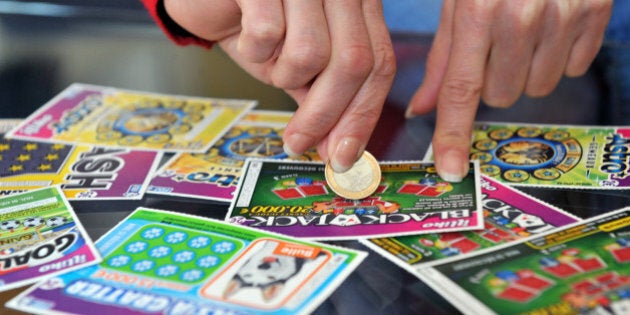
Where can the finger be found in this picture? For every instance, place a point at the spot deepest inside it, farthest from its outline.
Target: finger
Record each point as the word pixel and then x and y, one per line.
pixel 587 45
pixel 263 29
pixel 349 136
pixel 461 90
pixel 425 98
pixel 211 20
pixel 552 51
pixel 306 48
pixel 513 41
pixel 334 88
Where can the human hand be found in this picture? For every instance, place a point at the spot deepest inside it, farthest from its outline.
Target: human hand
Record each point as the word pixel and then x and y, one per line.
pixel 496 51
pixel 335 58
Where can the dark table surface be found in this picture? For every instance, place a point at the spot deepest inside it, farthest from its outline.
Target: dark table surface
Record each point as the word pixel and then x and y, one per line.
pixel 30 75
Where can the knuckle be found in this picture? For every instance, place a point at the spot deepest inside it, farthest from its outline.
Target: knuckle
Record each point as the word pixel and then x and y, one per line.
pixel 299 66
pixel 524 16
pixel 308 57
pixel 384 62
pixel 460 92
pixel 319 124
pixel 452 136
pixel 260 32
pixel 357 61
pixel 521 15
pixel 366 116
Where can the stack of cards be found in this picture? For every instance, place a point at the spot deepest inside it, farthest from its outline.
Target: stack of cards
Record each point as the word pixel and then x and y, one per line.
pixel 102 143
pixel 40 236
pixel 105 143
pixel 481 243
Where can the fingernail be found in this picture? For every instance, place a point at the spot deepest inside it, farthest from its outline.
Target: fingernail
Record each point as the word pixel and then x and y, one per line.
pixel 452 167
pixel 288 151
pixel 293 144
pixel 346 154
pixel 409 113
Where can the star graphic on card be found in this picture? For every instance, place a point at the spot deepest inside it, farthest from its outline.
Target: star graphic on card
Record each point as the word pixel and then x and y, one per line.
pixel 51 157
pixel 56 147
pixel 23 157
pixel 44 167
pixel 30 147
pixel 16 168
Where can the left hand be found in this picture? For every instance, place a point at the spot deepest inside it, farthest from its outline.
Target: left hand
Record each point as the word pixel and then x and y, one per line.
pixel 496 50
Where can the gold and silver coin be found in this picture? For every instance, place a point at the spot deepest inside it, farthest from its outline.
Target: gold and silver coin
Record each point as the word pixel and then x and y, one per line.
pixel 359 182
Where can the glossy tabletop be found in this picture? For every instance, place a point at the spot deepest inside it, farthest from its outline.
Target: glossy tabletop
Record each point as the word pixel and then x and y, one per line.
pixel 377 286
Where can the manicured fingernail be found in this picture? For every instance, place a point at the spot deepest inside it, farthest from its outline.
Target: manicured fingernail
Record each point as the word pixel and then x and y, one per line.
pixel 452 167
pixel 409 113
pixel 288 151
pixel 293 144
pixel 347 152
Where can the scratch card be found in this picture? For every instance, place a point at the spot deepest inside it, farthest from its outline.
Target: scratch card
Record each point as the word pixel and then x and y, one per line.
pixel 82 171
pixel 292 198
pixel 40 236
pixel 215 174
pixel 113 117
pixel 508 214
pixel 595 157
pixel 158 262
pixel 581 268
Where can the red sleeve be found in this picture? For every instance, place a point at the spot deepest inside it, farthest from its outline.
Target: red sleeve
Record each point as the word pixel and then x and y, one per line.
pixel 175 32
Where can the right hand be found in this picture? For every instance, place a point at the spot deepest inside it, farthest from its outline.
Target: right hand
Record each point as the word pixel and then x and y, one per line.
pixel 335 58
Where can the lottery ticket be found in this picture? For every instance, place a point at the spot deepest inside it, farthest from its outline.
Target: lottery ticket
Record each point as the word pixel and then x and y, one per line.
pixel 563 156
pixel 581 268
pixel 112 117
pixel 214 174
pixel 158 262
pixel 40 236
pixel 293 198
pixel 508 214
pixel 82 171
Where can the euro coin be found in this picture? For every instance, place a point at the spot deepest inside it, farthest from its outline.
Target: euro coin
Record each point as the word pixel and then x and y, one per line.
pixel 359 182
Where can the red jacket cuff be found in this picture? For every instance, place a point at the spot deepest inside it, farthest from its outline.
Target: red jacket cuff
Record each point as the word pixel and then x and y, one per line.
pixel 175 32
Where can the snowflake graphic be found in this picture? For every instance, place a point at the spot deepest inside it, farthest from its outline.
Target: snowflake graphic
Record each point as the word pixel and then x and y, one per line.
pixel 119 261
pixel 184 256
pixel 159 251
pixel 223 247
pixel 152 233
pixel 199 242
pixel 167 270
pixel 176 237
pixel 192 275
pixel 208 261
pixel 142 265
pixel 136 247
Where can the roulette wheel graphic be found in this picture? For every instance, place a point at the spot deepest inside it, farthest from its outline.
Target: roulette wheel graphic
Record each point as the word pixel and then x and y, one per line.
pixel 529 152
pixel 148 122
pixel 261 142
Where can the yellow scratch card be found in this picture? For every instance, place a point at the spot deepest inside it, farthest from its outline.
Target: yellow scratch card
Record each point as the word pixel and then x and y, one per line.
pixel 107 116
